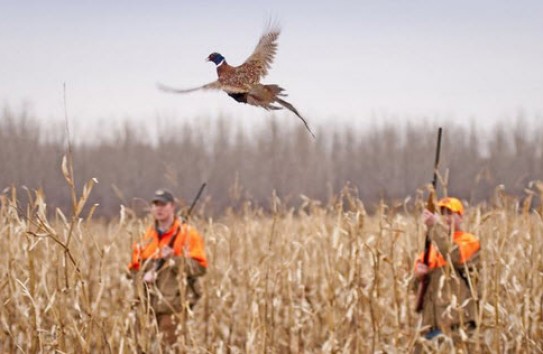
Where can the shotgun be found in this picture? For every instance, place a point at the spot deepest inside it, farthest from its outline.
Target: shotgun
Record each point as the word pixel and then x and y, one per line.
pixel 423 285
pixel 185 218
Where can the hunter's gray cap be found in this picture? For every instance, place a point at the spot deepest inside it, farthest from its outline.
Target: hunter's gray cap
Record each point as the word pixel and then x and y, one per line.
pixel 163 196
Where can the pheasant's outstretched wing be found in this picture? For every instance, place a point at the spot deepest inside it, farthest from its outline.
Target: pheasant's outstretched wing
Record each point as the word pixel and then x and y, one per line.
pixel 215 85
pixel 259 62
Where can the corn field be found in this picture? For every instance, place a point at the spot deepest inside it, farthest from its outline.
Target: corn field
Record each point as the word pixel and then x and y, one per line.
pixel 313 279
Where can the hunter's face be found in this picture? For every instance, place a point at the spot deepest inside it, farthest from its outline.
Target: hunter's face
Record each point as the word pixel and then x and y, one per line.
pixel 451 218
pixel 162 211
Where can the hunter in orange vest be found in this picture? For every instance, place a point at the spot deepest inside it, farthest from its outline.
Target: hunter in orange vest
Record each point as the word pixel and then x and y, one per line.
pixel 169 246
pixel 186 242
pixel 457 280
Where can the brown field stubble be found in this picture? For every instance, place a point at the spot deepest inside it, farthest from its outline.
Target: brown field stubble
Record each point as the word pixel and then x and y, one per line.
pixel 318 279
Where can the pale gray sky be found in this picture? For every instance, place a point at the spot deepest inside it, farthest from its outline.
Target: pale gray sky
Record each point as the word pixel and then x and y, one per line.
pixel 338 60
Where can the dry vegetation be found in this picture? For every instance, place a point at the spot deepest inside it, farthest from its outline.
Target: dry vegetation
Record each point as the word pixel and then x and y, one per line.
pixel 389 161
pixel 315 279
pixel 320 275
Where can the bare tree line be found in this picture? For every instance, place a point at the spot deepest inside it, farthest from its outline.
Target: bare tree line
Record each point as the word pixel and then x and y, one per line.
pixel 388 161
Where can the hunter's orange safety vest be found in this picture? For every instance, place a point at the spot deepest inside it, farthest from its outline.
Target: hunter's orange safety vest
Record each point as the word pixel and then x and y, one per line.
pixel 188 243
pixel 467 244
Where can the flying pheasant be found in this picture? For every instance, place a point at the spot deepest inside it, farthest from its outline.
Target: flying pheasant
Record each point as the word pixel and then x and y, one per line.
pixel 242 82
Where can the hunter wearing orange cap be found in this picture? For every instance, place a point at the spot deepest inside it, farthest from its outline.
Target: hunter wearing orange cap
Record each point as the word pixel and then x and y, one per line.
pixel 166 245
pixel 447 282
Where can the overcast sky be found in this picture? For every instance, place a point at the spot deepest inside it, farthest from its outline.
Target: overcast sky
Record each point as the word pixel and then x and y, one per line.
pixel 339 61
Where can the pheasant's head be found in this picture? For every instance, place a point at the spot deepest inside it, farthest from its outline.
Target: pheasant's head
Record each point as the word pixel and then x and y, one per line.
pixel 216 58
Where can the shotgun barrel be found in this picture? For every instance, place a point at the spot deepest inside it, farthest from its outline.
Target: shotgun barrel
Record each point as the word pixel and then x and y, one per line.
pixel 423 285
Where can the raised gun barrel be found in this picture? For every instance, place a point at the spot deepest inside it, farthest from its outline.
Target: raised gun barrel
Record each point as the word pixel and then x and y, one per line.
pixel 423 285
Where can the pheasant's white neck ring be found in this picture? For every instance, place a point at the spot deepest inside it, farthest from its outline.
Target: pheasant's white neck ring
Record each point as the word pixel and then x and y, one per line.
pixel 221 63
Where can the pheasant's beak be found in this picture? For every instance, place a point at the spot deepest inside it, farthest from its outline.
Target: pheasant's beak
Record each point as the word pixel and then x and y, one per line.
pixel 207 59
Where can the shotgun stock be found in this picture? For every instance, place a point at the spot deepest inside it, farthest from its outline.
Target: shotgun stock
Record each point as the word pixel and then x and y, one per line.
pixel 423 285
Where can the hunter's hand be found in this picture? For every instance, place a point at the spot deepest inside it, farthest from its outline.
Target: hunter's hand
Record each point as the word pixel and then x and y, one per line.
pixel 429 218
pixel 166 252
pixel 149 276
pixel 421 270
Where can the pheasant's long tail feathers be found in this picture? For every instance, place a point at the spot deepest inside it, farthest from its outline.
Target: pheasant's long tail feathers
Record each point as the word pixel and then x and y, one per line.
pixel 295 111
pixel 274 90
pixel 266 95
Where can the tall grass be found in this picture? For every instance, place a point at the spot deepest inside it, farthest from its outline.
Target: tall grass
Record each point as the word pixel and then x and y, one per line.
pixel 317 278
